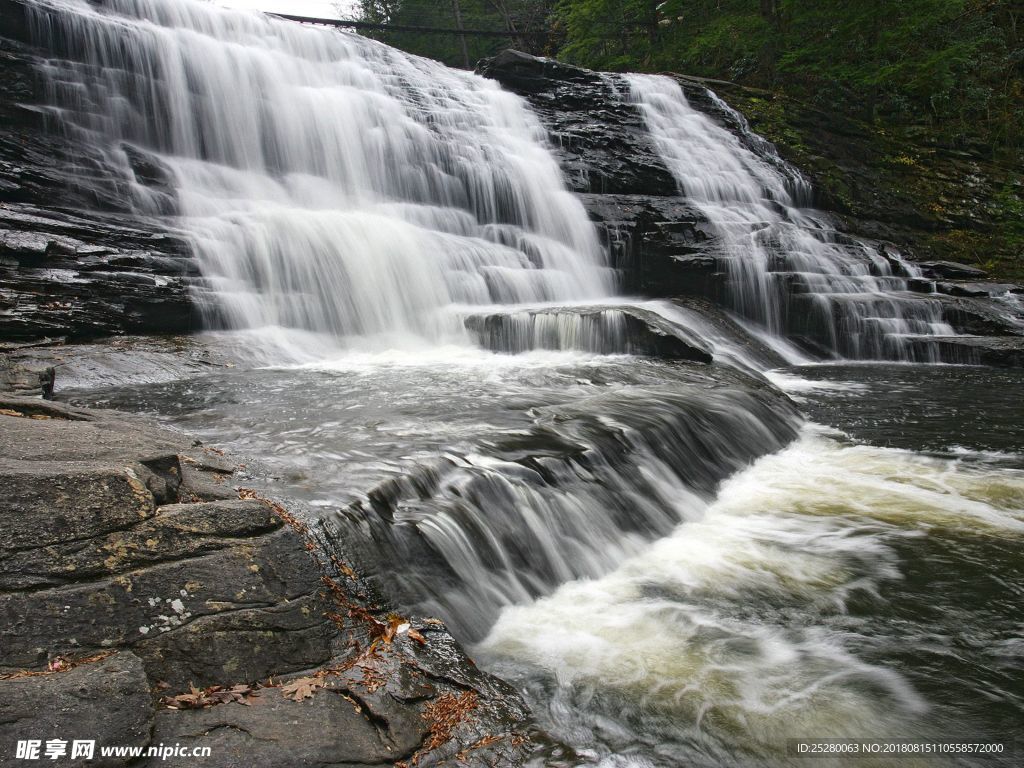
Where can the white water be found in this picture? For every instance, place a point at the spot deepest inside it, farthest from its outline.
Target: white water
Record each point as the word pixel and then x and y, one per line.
pixel 337 190
pixel 748 625
pixel 327 182
pixel 789 270
pixel 350 202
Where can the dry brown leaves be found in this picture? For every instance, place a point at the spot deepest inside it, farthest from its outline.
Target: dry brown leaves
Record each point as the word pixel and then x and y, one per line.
pixel 302 688
pixel 445 713
pixel 287 517
pixel 20 415
pixel 212 696
pixel 57 664
pixel 416 635
pixel 377 628
pixel 345 568
pixel 486 741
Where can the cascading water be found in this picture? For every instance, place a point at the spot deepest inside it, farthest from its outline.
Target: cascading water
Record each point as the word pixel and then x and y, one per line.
pixel 334 186
pixel 391 206
pixel 789 270
pixel 328 183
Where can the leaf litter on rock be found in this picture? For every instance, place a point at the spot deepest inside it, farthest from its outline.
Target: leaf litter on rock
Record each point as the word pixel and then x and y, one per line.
pixel 212 696
pixel 303 688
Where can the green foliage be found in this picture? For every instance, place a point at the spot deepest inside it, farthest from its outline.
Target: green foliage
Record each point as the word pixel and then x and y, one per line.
pixel 956 66
pixel 953 66
pixel 517 19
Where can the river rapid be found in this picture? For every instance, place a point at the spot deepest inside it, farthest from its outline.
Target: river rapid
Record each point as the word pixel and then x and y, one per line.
pixel 682 536
pixel 864 580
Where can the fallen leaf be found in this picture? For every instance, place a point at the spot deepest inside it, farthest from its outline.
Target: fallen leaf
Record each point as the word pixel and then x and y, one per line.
pixel 354 703
pixel 416 635
pixel 300 689
pixel 212 696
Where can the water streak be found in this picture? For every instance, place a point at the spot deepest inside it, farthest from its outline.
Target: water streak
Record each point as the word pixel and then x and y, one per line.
pixel 328 183
pixel 789 270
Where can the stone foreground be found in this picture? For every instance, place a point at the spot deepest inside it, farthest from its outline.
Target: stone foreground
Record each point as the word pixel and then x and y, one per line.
pixel 132 571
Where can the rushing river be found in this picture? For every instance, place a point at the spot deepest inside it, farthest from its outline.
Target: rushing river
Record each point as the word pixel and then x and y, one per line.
pixel 837 588
pixel 684 547
pixel 864 581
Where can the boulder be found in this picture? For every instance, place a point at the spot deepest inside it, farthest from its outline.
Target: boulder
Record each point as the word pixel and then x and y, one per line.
pixel 599 137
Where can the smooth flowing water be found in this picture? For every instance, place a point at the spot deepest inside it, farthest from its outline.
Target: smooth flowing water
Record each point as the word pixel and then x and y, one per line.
pixel 790 270
pixel 568 514
pixel 673 565
pixel 327 183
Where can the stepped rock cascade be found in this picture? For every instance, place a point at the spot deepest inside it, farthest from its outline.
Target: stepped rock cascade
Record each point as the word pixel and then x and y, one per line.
pixel 401 233
pixel 415 345
pixel 788 269
pixel 590 482
pixel 327 183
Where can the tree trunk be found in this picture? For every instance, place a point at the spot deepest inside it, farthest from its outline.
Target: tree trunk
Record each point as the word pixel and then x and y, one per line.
pixel 457 10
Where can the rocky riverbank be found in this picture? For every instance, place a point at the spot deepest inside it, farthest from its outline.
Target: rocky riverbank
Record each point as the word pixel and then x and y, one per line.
pixel 149 600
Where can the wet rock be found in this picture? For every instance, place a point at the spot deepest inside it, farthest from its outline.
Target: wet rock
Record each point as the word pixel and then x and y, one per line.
pixel 74 260
pixel 976 289
pixel 981 316
pixel 601 330
pixel 106 701
pixel 288 733
pixel 661 246
pixel 1000 352
pixel 600 138
pixel 392 705
pixel 31 380
pixel 951 270
pixel 119 361
pixel 56 284
pixel 121 537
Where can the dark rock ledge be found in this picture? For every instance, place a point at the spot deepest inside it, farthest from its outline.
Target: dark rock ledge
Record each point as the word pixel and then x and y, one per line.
pixel 131 569
pixel 75 262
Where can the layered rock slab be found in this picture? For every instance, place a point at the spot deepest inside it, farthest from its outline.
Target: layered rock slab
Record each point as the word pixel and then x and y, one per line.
pixel 132 572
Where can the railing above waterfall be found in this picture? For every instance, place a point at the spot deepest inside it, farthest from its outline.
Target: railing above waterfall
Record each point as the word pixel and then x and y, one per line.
pixel 375 27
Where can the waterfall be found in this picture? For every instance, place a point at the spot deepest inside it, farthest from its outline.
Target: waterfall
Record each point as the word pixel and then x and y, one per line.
pixel 327 183
pixel 788 269
pixel 570 493
pixel 650 545
pixel 331 185
pixel 338 193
